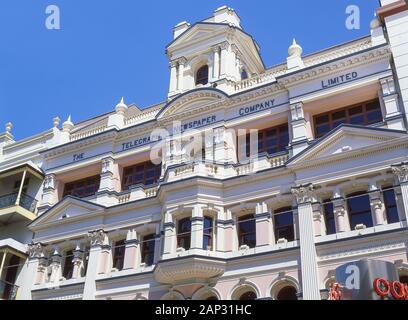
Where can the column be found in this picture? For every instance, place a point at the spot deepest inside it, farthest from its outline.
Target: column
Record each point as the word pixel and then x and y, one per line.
pixel 98 239
pixel 180 80
pixel 78 262
pixel 340 212
pixel 393 116
pixel 20 190
pixel 310 275
pixel 263 225
pixel 56 269
pixel 224 145
pixel 297 127
pixel 50 195
pixel 197 227
pixel 401 172
pixel 216 68
pixel 107 175
pixel 132 251
pixel 157 244
pixel 224 59
pixel 318 219
pixel 35 269
pixel 377 207
pixel 170 237
pixel 173 77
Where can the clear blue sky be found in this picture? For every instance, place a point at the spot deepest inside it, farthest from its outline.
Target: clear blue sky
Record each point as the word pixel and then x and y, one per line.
pixel 107 49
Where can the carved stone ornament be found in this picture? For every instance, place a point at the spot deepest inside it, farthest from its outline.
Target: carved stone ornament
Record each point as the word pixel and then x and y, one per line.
pixel 36 250
pixel 97 237
pixel 401 171
pixel 303 194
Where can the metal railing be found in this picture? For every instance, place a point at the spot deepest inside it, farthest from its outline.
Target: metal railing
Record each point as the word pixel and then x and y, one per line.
pixel 26 202
pixel 8 291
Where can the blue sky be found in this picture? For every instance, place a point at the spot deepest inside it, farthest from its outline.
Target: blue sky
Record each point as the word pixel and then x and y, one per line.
pixel 107 49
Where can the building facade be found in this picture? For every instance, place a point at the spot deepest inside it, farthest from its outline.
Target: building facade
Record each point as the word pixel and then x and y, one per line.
pixel 247 183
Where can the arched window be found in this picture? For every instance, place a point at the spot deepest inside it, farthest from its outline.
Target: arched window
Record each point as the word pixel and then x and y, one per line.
pixel 208 233
pixel 249 295
pixel 359 210
pixel 202 75
pixel 184 233
pixel 287 293
pixel 391 205
pixel 247 231
pixel 283 222
pixel 244 74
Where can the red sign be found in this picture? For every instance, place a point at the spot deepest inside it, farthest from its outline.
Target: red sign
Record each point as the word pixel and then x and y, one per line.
pixel 395 289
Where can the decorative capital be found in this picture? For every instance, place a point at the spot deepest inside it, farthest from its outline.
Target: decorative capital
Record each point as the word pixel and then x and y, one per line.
pixel 401 171
pixel 304 194
pixel 49 181
pixel 97 238
pixel 107 164
pixel 36 250
pixel 296 111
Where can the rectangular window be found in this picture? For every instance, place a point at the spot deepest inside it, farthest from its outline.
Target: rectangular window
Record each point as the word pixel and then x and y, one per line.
pixel 144 174
pixel 119 254
pixel 329 217
pixel 247 231
pixel 366 113
pixel 68 265
pixel 82 188
pixel 391 205
pixel 271 140
pixel 184 234
pixel 359 210
pixel 283 221
pixel 148 244
pixel 208 234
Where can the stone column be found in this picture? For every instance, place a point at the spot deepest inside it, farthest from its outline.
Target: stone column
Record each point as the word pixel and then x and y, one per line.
pixel 393 116
pixel 98 239
pixel 377 207
pixel 170 236
pixel 35 269
pixel 318 219
pixel 224 147
pixel 197 226
pixel 340 213
pixel 216 68
pixel 78 262
pixel 310 275
pixel 180 80
pixel 157 244
pixel 401 171
pixel 297 127
pixel 263 225
pixel 50 194
pixel 224 59
pixel 132 251
pixel 173 77
pixel 107 175
pixel 56 270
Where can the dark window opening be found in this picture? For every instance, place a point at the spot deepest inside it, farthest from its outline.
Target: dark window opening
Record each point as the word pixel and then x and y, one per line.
pixel 68 265
pixel 202 75
pixel 328 210
pixel 145 174
pixel 287 293
pixel 359 210
pixel 184 234
pixel 208 234
pixel 250 295
pixel 363 114
pixel 244 74
pixel 391 206
pixel 148 249
pixel 247 231
pixel 119 254
pixel 283 221
pixel 270 141
pixel 82 188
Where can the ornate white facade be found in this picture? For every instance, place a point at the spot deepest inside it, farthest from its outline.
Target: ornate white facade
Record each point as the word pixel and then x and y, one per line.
pixel 108 225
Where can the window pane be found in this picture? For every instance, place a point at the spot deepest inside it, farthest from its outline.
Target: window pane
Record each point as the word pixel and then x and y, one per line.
pixel 356 110
pixel 360 211
pixel 322 119
pixel 357 119
pixel 391 206
pixel 339 115
pixel 329 218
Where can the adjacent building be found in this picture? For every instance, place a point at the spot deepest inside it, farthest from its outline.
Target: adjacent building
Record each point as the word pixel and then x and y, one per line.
pixel 268 178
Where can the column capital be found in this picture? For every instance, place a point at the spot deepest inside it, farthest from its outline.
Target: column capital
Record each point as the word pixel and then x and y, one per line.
pixel 97 237
pixel 401 171
pixel 296 110
pixel 36 250
pixel 304 194
pixel 107 164
pixel 49 181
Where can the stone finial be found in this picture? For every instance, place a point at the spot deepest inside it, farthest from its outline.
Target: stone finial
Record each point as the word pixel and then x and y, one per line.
pixel 121 107
pixel 9 126
pixel 67 126
pixel 56 121
pixel 295 50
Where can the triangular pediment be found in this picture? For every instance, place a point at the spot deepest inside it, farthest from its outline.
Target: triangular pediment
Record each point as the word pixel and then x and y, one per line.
pixel 344 141
pixel 68 209
pixel 192 101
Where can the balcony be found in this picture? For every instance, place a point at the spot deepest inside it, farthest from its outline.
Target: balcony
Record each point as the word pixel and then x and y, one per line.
pixel 8 291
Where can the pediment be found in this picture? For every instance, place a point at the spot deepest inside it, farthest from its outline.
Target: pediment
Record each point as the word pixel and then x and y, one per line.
pixel 69 208
pixel 345 140
pixel 192 101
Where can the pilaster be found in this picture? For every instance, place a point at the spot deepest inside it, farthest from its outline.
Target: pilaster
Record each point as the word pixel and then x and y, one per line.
pixel 401 172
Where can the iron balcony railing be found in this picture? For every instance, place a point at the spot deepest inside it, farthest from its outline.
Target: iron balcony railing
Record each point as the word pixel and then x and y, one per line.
pixel 8 291
pixel 26 202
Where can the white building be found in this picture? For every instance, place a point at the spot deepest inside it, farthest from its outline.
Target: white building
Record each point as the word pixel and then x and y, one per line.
pixel 328 183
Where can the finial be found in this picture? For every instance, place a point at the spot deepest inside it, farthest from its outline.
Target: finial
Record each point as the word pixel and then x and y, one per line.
pixel 56 121
pixel 121 107
pixel 295 49
pixel 67 126
pixel 9 126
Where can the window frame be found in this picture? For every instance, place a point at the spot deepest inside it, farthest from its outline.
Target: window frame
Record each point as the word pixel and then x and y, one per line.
pixel 186 236
pixel 353 196
pixel 147 165
pixel 203 79
pixel 92 181
pixel 389 206
pixel 247 219
pixel 326 203
pixel 209 234
pixel 347 117
pixel 147 241
pixel 276 227
pixel 118 256
pixel 68 267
